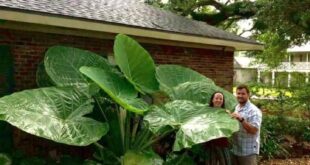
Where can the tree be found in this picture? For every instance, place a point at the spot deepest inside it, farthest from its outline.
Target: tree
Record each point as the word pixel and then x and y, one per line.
pixel 287 18
pixel 210 11
pixel 276 23
pixel 280 24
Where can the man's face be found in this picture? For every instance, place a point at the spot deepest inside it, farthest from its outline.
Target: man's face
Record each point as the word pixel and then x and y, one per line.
pixel 242 96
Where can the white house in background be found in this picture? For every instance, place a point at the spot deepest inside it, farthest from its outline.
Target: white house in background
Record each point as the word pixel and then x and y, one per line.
pixel 295 68
pixel 245 70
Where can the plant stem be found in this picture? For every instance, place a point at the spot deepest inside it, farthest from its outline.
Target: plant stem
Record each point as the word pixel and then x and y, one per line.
pixel 127 127
pixel 121 118
pixel 103 149
pixel 135 128
pixel 146 140
pixel 138 140
pixel 145 137
pixel 101 110
pixel 99 146
pixel 156 139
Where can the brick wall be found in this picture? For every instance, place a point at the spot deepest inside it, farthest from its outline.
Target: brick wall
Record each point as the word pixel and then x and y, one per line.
pixel 217 65
pixel 28 50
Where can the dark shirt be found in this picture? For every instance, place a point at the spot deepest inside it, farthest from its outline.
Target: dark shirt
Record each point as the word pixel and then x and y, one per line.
pixel 220 142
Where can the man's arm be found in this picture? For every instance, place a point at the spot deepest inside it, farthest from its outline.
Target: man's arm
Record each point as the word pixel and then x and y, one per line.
pixel 246 125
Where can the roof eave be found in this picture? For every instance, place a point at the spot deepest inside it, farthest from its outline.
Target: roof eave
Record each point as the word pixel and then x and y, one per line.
pixel 69 22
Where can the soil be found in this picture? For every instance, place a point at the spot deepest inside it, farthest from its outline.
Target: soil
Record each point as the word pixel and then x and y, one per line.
pixel 292 161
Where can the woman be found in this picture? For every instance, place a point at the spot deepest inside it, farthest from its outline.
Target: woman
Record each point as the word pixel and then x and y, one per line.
pixel 218 149
pixel 217 100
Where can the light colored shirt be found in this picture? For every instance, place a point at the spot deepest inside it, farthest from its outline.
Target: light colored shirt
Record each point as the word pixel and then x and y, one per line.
pixel 244 143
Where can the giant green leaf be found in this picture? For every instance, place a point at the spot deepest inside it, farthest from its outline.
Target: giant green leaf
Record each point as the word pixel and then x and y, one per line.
pixel 195 123
pixel 53 113
pixel 117 87
pixel 136 63
pixel 201 92
pixel 170 76
pixel 62 64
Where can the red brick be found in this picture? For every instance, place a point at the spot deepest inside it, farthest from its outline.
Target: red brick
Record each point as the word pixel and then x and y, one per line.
pixel 28 49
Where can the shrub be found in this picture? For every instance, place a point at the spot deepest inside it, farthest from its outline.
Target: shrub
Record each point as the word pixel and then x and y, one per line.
pixel 273 132
pixel 271 139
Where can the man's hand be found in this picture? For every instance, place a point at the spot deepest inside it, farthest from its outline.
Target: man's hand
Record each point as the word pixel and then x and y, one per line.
pixel 247 126
pixel 236 115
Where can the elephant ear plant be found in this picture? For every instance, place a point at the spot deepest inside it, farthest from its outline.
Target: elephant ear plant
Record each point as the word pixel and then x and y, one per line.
pixel 58 112
pixel 76 85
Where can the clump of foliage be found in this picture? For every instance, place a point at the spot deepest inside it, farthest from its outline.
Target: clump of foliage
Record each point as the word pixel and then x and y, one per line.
pixel 285 122
pixel 84 100
pixel 271 138
pixel 302 96
pixel 274 131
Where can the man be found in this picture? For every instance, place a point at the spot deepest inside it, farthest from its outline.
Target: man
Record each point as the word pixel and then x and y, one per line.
pixel 246 140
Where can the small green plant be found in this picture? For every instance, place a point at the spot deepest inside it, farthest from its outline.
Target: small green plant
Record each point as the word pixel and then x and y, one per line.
pixel 271 145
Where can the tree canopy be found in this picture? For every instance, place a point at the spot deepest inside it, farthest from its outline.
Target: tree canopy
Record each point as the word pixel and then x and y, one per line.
pixel 276 23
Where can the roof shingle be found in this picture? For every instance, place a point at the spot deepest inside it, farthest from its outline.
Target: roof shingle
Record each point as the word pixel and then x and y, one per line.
pixel 123 12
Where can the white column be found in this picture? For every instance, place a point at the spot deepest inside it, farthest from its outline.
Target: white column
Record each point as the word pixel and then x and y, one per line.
pixel 289 79
pixel 307 70
pixel 272 77
pixel 289 61
pixel 289 71
pixel 258 76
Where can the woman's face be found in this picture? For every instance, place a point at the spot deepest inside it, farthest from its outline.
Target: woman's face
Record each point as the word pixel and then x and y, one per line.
pixel 218 100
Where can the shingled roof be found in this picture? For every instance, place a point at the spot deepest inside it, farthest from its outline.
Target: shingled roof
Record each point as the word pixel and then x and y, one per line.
pixel 124 13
